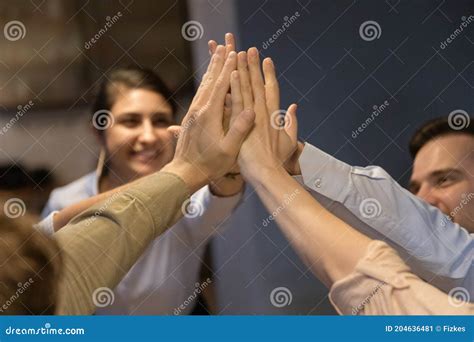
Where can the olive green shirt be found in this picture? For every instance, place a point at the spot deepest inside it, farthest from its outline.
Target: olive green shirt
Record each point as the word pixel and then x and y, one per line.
pixel 101 244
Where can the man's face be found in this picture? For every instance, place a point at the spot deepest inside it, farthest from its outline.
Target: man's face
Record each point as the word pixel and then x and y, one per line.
pixel 443 175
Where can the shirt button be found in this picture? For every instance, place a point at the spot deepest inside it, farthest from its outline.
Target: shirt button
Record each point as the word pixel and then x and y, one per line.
pixel 317 182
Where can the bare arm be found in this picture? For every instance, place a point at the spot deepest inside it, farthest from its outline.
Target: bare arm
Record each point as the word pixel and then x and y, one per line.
pixel 328 245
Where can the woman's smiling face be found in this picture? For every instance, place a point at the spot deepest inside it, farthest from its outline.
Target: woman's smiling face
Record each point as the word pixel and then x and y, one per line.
pixel 138 142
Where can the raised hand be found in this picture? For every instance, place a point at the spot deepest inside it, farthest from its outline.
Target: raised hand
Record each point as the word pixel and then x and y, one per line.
pixel 204 150
pixel 274 138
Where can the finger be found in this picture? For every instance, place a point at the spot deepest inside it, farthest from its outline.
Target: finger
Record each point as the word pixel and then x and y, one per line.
pixel 291 123
pixel 238 131
pixel 204 81
pixel 221 85
pixel 256 79
pixel 272 90
pixel 227 112
pixel 236 94
pixel 244 79
pixel 212 45
pixel 229 43
pixel 207 85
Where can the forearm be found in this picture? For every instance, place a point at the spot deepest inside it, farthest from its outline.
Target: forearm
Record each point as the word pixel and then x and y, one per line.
pixel 102 243
pixel 328 245
pixel 61 218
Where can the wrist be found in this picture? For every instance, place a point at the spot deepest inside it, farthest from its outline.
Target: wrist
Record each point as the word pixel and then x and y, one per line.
pixel 226 186
pixel 264 174
pixel 293 164
pixel 193 176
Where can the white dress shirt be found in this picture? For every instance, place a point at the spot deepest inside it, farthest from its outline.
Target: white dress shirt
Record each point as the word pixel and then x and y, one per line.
pixel 165 280
pixel 438 250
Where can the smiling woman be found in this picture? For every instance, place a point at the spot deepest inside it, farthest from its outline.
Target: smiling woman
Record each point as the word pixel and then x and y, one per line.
pixel 132 112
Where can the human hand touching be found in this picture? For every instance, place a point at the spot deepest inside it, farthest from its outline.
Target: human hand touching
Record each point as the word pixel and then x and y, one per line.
pixel 232 182
pixel 270 144
pixel 204 151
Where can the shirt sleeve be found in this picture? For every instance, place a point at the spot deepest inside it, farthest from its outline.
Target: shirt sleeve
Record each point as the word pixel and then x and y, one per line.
pixel 46 225
pixel 101 244
pixel 382 284
pixel 205 212
pixel 436 248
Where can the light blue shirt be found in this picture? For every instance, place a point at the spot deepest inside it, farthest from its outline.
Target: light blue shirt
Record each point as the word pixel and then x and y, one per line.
pixel 438 250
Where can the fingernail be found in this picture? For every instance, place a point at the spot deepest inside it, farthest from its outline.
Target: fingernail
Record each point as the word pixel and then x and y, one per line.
pixel 253 52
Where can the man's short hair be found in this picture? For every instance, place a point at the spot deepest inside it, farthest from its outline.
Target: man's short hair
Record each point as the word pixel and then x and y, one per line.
pixel 434 129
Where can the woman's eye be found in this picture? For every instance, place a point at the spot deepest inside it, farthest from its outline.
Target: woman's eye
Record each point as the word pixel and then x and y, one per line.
pixel 130 122
pixel 161 123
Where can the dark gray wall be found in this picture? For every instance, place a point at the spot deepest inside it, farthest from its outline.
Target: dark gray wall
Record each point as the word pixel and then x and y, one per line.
pixel 336 77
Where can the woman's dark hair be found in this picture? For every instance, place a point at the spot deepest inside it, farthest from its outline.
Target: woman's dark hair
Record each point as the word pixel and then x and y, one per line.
pixel 436 128
pixel 131 77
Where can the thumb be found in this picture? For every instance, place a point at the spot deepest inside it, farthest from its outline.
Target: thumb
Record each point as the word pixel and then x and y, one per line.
pixel 238 131
pixel 291 122
pixel 175 131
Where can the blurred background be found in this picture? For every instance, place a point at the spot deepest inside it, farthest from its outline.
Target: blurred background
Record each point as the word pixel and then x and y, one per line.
pixel 365 75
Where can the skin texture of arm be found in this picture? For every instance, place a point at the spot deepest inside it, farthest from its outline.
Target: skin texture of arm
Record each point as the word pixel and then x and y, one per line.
pixel 329 246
